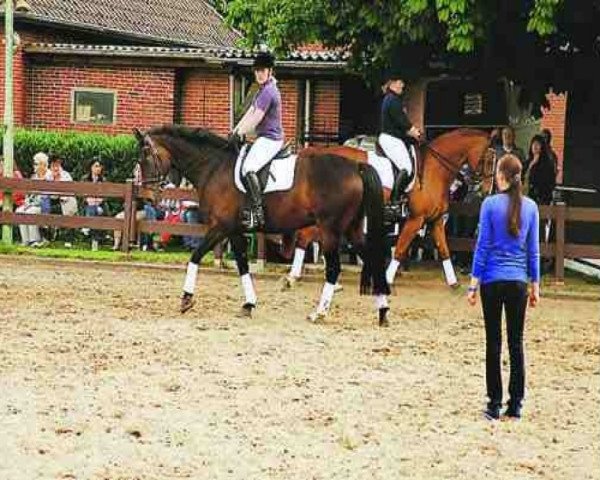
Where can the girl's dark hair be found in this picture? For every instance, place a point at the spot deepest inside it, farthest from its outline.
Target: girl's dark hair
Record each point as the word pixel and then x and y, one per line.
pixel 510 167
pixel 544 156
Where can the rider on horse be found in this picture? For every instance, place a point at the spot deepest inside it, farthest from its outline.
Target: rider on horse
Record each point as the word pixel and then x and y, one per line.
pixel 264 118
pixel 398 134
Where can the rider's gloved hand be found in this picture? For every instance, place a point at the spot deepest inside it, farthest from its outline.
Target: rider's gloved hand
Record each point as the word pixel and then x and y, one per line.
pixel 233 139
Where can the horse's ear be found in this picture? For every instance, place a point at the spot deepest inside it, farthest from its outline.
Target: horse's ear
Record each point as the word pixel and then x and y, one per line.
pixel 138 135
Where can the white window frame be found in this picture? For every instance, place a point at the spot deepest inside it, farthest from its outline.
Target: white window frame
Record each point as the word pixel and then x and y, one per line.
pixel 76 90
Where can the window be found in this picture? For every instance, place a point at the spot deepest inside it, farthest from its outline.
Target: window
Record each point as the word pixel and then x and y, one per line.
pixel 243 94
pixel 473 104
pixel 94 106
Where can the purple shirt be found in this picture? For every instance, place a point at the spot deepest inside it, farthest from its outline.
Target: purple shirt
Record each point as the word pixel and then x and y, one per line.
pixel 268 99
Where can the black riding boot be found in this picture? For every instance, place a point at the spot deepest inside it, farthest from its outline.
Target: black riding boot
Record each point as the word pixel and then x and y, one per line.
pixel 400 185
pixel 393 210
pixel 255 218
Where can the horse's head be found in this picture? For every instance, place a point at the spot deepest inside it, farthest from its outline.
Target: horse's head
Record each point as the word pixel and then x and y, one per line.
pixel 454 148
pixel 155 160
pixel 481 159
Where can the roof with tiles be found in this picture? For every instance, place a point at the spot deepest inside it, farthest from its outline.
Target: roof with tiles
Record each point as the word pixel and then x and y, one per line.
pixel 240 56
pixel 185 22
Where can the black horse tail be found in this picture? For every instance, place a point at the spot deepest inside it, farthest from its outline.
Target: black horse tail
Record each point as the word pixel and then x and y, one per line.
pixel 372 277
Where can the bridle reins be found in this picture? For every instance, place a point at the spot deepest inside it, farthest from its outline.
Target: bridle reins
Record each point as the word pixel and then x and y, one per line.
pixel 452 168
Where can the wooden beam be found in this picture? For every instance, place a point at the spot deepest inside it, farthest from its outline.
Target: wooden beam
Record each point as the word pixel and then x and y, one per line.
pixel 95 223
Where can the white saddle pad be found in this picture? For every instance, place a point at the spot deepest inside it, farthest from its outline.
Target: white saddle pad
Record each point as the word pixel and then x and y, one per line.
pixel 281 174
pixel 384 169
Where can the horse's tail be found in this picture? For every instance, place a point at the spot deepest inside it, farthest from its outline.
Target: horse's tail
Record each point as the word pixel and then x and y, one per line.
pixel 372 278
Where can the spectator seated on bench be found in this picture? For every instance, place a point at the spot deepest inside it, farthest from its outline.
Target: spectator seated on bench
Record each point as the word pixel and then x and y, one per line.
pixel 35 203
pixel 65 205
pixel 94 206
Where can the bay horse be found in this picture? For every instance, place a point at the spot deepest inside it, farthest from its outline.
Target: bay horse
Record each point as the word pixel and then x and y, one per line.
pixel 428 200
pixel 329 190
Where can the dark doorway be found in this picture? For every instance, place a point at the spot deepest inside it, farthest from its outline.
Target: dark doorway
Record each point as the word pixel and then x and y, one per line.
pixel 360 105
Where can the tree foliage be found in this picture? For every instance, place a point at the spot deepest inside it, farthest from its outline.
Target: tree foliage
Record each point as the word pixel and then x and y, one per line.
pixel 531 42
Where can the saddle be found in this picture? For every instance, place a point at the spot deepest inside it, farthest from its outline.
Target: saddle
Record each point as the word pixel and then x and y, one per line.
pixel 265 172
pixel 275 176
pixel 416 162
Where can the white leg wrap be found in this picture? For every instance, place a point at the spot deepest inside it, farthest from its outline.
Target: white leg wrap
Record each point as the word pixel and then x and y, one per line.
pixel 449 272
pixel 190 278
pixel 390 273
pixel 296 270
pixel 326 297
pixel 315 252
pixel 381 301
pixel 248 286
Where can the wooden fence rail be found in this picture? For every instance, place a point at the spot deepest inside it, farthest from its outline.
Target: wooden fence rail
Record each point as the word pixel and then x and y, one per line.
pixel 560 215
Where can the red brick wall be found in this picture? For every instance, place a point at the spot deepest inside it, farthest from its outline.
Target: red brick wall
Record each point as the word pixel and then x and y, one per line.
pixel 326 106
pixel 19 93
pixel 289 107
pixel 144 96
pixel 205 101
pixel 554 120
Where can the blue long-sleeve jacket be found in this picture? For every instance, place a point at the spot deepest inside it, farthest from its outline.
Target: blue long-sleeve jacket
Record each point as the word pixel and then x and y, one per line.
pixel 500 256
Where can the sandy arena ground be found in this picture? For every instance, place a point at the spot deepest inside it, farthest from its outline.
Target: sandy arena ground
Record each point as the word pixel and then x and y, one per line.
pixel 101 378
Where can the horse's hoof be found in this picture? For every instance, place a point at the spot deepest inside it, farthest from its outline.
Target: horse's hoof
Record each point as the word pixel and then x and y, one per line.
pixel 246 311
pixel 187 302
pixel 289 282
pixel 455 286
pixel 383 320
pixel 316 317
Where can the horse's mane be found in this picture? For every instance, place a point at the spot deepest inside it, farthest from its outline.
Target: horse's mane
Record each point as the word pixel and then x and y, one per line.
pixel 197 136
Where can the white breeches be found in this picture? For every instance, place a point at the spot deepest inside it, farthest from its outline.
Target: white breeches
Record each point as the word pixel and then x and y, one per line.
pixel 395 149
pixel 263 150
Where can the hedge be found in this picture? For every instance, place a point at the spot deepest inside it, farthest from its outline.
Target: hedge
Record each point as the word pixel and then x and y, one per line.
pixel 118 153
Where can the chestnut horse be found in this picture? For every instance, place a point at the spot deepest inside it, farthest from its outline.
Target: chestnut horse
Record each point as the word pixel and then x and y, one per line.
pixel 207 161
pixel 428 200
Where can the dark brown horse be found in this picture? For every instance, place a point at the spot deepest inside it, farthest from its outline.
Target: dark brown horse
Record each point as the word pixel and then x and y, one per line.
pixel 429 198
pixel 329 191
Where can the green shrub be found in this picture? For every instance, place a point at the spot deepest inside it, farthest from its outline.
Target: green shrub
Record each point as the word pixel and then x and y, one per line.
pixel 118 153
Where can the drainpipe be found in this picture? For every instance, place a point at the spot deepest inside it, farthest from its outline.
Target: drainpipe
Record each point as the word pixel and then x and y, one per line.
pixel 8 147
pixel 306 111
pixel 231 100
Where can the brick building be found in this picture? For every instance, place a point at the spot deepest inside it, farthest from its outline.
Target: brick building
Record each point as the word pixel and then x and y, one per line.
pixel 110 65
pixel 113 65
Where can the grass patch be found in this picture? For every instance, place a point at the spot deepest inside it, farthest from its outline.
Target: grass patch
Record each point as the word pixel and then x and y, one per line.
pixel 83 252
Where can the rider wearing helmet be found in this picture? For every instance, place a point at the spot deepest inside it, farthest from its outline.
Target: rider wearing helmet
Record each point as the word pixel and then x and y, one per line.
pixel 264 118
pixel 397 132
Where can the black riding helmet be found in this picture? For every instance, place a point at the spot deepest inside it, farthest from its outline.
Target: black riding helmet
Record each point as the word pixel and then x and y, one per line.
pixel 263 60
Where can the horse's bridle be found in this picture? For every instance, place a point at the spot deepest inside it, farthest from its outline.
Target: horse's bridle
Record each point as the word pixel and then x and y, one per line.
pixel 448 165
pixel 159 178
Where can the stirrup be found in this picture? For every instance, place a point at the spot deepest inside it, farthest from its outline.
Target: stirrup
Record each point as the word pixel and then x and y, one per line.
pixel 253 218
pixel 394 212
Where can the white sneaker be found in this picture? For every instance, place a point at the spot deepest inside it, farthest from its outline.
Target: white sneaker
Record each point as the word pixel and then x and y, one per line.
pixel 68 245
pixel 94 245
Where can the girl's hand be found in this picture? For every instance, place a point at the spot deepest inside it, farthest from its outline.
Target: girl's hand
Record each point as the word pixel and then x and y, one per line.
pixel 472 297
pixel 534 295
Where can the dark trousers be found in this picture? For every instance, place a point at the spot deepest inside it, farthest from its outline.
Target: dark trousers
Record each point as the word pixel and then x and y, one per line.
pixel 512 296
